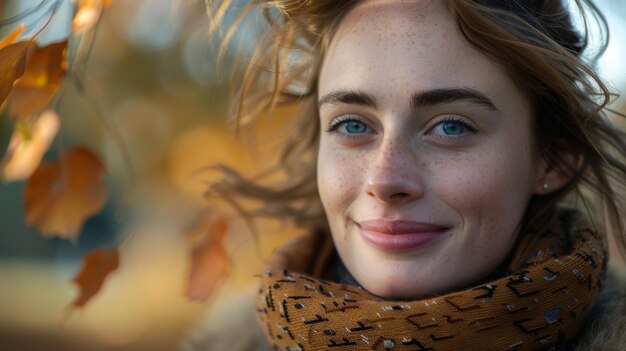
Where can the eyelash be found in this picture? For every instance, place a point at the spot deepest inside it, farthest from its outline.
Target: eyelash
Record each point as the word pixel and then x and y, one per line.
pixel 337 122
pixel 456 119
pixel 452 139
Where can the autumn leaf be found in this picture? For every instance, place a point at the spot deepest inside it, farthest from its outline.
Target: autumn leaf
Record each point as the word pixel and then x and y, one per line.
pixel 43 73
pixel 97 266
pixel 61 195
pixel 210 262
pixel 87 14
pixel 12 37
pixel 12 62
pixel 28 144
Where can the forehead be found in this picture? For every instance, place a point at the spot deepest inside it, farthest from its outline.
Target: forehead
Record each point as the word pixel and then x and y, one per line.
pixel 407 46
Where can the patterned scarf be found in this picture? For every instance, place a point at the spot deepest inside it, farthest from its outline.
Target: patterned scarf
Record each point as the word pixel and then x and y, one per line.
pixel 542 301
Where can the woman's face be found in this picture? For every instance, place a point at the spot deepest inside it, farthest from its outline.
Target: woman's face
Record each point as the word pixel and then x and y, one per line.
pixel 426 161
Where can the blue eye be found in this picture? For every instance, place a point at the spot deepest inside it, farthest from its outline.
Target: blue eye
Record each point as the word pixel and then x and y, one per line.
pixel 354 127
pixel 451 128
pixel 349 125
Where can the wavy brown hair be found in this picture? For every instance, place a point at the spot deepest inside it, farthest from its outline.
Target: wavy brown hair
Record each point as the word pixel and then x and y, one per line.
pixel 534 40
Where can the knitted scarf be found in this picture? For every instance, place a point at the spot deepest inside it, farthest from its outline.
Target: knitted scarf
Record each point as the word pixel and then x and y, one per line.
pixel 541 301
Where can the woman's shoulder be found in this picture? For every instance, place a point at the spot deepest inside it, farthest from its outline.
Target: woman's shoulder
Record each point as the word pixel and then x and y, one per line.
pixel 605 329
pixel 230 325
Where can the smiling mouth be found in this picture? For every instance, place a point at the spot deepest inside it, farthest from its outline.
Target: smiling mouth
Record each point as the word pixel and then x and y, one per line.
pixel 399 235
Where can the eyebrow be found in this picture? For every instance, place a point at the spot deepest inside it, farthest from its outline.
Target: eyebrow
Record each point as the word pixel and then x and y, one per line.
pixel 419 99
pixel 438 96
pixel 352 97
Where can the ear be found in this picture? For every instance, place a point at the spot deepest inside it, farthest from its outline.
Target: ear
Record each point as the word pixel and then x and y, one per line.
pixel 557 166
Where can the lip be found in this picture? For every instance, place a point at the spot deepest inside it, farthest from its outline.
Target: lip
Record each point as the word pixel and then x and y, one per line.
pixel 399 235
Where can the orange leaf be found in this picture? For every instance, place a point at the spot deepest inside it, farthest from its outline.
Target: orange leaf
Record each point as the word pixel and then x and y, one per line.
pixel 28 145
pixel 12 59
pixel 209 260
pixel 97 265
pixel 60 196
pixel 45 68
pixel 12 37
pixel 87 14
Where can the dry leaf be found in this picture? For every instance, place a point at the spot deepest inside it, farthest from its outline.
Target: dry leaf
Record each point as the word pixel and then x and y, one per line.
pixel 12 62
pixel 12 37
pixel 61 195
pixel 44 71
pixel 97 265
pixel 209 260
pixel 87 14
pixel 28 144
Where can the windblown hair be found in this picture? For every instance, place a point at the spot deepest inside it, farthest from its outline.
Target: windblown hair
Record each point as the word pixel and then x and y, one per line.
pixel 534 40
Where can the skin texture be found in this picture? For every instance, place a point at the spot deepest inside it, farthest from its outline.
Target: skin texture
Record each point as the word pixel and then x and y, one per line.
pixel 394 162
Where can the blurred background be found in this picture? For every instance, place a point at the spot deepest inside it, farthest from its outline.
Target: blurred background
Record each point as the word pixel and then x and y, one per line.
pixel 156 87
pixel 153 81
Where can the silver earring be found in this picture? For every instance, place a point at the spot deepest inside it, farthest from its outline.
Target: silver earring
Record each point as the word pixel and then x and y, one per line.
pixel 545 186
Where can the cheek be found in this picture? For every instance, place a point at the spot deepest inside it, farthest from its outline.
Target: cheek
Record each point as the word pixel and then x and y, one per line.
pixel 489 189
pixel 468 180
pixel 336 178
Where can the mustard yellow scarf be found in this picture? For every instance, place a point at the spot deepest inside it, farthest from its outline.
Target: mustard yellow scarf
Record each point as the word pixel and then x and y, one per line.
pixel 543 301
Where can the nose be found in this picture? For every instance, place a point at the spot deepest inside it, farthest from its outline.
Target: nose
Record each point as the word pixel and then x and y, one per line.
pixel 393 176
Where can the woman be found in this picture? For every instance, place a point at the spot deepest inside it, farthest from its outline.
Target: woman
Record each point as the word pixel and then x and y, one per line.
pixel 442 150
